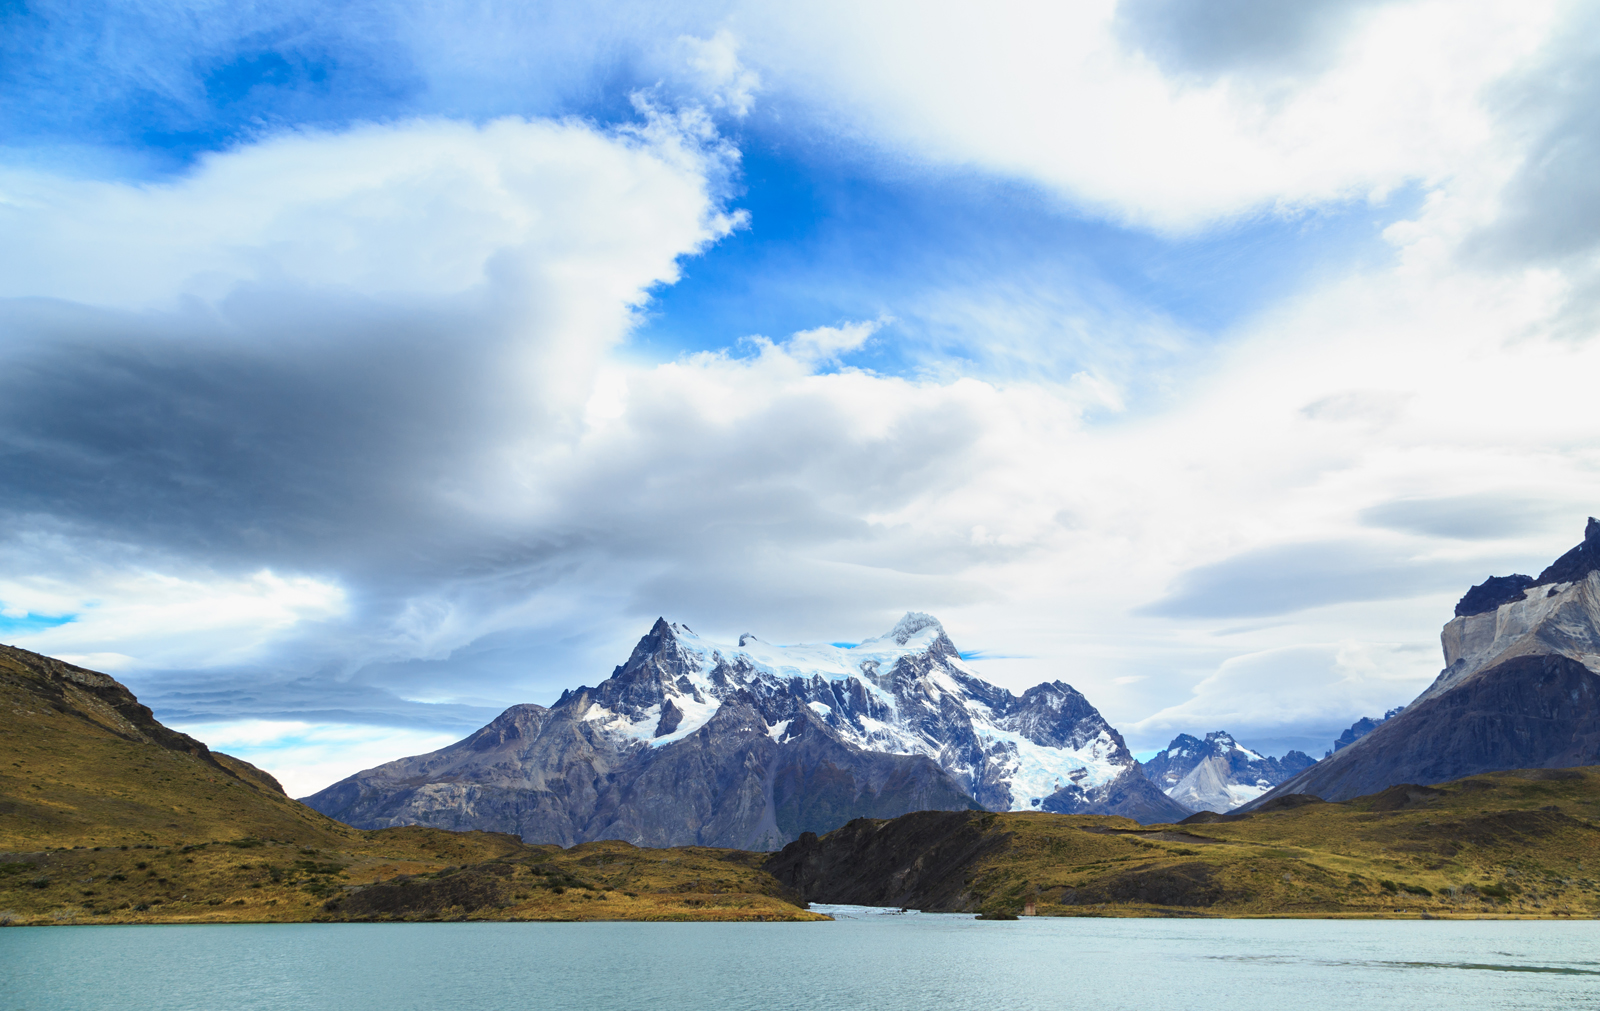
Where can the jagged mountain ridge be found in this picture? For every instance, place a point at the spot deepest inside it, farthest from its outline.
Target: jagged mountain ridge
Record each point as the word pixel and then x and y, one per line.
pixel 697 742
pixel 1361 728
pixel 1519 689
pixel 1218 774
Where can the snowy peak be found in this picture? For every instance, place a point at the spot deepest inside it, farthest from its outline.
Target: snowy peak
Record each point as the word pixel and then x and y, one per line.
pixel 907 692
pixel 1218 774
pixel 915 623
pixel 747 744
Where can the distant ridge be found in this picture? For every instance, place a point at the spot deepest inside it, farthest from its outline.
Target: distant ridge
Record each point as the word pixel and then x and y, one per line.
pixel 1218 773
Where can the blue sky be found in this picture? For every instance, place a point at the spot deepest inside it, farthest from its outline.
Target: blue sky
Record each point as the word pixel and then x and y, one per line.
pixel 370 367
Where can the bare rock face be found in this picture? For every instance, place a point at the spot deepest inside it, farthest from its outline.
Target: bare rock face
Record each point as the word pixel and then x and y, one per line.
pixel 1519 690
pixel 749 745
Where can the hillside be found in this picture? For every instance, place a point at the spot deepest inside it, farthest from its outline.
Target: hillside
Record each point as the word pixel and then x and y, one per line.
pixel 1521 844
pixel 106 816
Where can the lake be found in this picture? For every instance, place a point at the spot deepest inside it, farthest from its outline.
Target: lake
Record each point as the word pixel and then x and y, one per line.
pixel 884 962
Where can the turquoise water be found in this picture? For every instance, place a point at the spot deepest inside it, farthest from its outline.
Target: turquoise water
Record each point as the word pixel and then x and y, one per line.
pixel 888 963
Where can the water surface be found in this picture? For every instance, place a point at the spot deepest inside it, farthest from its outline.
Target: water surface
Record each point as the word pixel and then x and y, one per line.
pixel 887 963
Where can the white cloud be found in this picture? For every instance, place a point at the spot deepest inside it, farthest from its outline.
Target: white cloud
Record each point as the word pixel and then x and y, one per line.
pixel 410 212
pixel 305 757
pixel 1311 685
pixel 222 383
pixel 1054 93
pixel 461 465
pixel 713 69
pixel 128 616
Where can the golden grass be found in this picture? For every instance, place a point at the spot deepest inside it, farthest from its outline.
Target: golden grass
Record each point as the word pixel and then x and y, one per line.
pixel 1504 845
pixel 98 828
pixel 415 874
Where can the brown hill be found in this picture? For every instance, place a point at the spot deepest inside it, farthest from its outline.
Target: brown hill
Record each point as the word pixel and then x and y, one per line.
pixel 108 816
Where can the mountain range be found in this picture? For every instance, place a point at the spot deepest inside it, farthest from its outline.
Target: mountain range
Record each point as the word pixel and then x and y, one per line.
pixel 751 745
pixel 1219 774
pixel 748 745
pixel 1519 689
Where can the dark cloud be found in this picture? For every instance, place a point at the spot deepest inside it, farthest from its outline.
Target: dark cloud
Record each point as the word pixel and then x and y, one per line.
pixel 1550 209
pixel 1213 37
pixel 1467 517
pixel 287 431
pixel 1294 577
pixel 221 694
pixel 378 447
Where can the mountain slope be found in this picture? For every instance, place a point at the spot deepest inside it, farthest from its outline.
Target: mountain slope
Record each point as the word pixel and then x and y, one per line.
pixel 1218 773
pixel 1519 689
pixel 698 742
pixel 83 763
pixel 1518 844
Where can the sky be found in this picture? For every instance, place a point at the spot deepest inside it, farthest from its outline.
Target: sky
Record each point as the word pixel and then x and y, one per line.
pixel 366 368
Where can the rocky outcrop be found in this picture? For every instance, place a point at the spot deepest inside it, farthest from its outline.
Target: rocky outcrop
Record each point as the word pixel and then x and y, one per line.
pixel 749 745
pixel 1519 690
pixel 1362 727
pixel 1491 593
pixel 921 861
pixel 1218 774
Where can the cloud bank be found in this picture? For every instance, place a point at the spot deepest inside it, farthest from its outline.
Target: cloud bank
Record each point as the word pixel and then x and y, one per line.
pixel 338 424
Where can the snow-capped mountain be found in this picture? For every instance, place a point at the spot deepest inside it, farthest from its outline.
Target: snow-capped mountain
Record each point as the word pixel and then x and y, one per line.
pixel 749 744
pixel 1520 689
pixel 1219 774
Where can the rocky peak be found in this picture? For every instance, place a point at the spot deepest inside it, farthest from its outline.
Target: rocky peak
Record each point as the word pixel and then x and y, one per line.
pixel 1362 727
pixel 1491 593
pixel 1577 563
pixel 1218 773
pixel 1497 591
pixel 1057 715
pixel 912 624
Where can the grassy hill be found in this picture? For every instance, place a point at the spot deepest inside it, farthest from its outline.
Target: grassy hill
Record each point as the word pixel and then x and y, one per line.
pixel 1514 844
pixel 106 816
